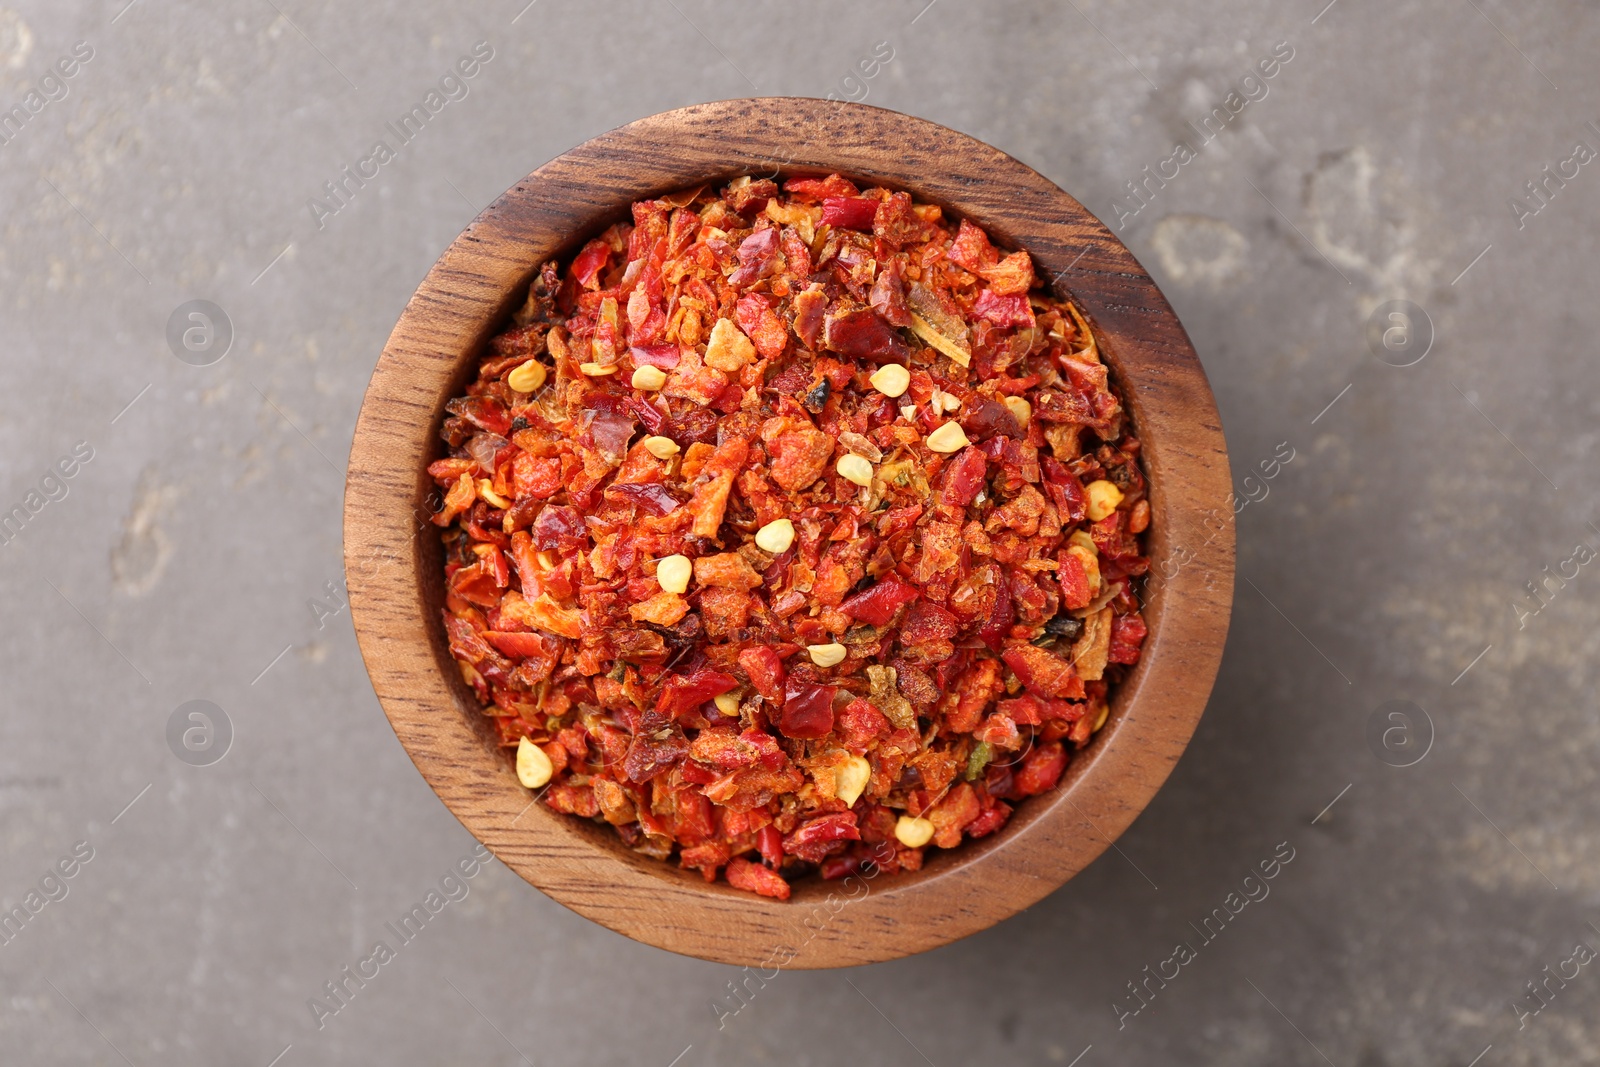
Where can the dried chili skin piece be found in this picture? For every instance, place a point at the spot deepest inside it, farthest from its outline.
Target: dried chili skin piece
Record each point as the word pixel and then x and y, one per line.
pixel 743 874
pixel 769 842
pixel 989 418
pixel 876 606
pixel 523 646
pixel 559 528
pixel 649 498
pixel 486 413
pixel 971 248
pixel 590 261
pixel 812 190
pixel 989 821
pixel 707 858
pixel 765 670
pixel 963 478
pixel 888 295
pixel 683 693
pixel 807 711
pixel 1043 672
pixel 860 724
pixel 1127 635
pixel 925 636
pixel 799 451
pixel 757 257
pixel 662 357
pixel 927 632
pixel 819 836
pixel 850 212
pixel 1041 769
pixel 1003 310
pixel 1001 615
pixel 863 334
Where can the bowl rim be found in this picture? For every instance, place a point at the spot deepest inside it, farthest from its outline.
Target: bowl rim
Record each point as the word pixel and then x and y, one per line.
pixel 394 599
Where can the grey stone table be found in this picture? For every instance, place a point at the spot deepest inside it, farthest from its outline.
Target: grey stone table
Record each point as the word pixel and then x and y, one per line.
pixel 1406 707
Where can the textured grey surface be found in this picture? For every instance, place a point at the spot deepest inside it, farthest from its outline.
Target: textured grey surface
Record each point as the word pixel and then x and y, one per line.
pixel 1388 554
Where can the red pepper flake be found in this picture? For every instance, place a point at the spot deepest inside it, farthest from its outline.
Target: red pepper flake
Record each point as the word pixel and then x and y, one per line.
pixel 807 711
pixel 742 874
pixel 1003 310
pixel 683 693
pixel 877 605
pixel 816 837
pixel 1127 635
pixel 982 616
pixel 663 357
pixel 851 212
pixel 590 261
pixel 765 671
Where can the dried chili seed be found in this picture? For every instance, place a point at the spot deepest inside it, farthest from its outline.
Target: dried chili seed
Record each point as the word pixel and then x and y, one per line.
pixel 725 638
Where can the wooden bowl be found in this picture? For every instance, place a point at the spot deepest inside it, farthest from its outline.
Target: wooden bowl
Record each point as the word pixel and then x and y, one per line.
pixel 393 556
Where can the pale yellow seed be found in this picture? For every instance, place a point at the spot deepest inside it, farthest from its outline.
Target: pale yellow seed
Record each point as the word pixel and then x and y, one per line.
pixel 1101 499
pixel 854 468
pixel 830 655
pixel 776 536
pixel 913 832
pixel 649 378
pixel 673 573
pixel 1101 720
pixel 533 766
pixel 1020 408
pixel 850 779
pixel 909 412
pixel 528 377
pixel 661 447
pixel 891 379
pixel 948 438
pixel 598 370
pixel 727 703
pixel 1082 539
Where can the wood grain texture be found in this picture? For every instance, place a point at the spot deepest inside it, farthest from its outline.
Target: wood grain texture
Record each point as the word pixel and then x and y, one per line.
pixel 392 556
